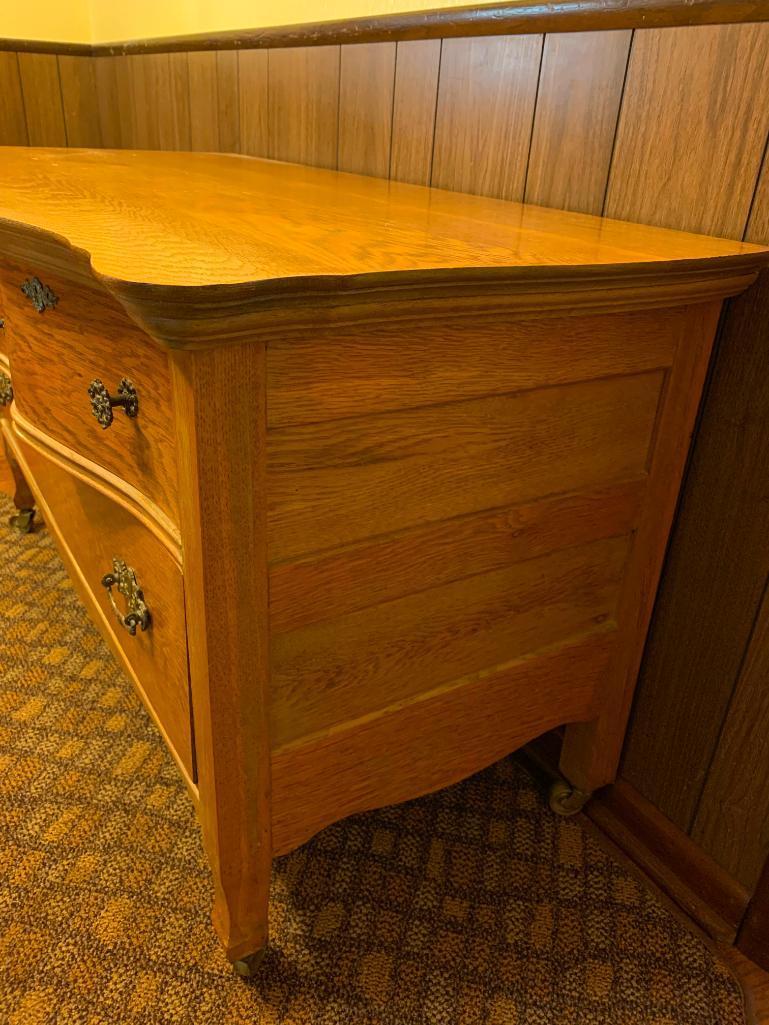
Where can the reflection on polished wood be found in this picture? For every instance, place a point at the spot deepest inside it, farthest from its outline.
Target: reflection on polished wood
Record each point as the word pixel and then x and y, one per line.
pixel 399 483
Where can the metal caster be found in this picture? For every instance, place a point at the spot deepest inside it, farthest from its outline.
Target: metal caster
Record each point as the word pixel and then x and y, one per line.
pixel 566 800
pixel 248 966
pixel 23 520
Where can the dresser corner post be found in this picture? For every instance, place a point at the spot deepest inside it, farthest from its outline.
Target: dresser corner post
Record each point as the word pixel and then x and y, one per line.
pixel 220 413
pixel 592 751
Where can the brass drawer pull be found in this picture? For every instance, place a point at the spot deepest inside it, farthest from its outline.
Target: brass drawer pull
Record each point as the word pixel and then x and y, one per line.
pixel 40 295
pixel 102 403
pixel 123 579
pixel 6 390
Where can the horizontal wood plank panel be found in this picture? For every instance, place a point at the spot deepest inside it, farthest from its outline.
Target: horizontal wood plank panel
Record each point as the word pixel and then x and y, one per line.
pixel 416 95
pixel 332 672
pixel 719 552
pixel 580 89
pixel 379 367
pixel 416 560
pixel 409 751
pixel 160 101
pixel 486 98
pixel 42 99
pixel 80 101
pixel 13 125
pixel 304 105
pixel 253 93
pixel 335 483
pixel 732 821
pixel 691 134
pixel 367 79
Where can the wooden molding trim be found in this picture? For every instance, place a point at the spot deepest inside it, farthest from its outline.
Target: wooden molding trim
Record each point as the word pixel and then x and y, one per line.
pixel 487 20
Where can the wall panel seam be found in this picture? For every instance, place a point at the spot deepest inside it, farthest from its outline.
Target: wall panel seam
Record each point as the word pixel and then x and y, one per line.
pixel 533 118
pixel 617 123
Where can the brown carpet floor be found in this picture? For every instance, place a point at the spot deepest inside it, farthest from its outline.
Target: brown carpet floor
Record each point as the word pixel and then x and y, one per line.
pixel 474 906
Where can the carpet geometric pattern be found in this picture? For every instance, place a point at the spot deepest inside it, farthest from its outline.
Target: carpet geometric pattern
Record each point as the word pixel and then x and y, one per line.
pixel 473 906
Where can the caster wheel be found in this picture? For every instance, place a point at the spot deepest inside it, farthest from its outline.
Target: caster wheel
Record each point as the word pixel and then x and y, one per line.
pixel 566 800
pixel 248 966
pixel 23 520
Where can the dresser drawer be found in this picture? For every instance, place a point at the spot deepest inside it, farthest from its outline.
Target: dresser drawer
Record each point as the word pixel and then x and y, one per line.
pixel 86 336
pixel 93 530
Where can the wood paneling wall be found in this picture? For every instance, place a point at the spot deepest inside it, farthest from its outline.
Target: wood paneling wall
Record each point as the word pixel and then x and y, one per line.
pixel 663 125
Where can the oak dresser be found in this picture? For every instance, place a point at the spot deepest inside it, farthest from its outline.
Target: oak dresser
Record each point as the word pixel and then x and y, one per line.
pixel 366 484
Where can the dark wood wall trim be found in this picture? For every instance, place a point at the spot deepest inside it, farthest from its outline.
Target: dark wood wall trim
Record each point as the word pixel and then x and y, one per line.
pixel 489 20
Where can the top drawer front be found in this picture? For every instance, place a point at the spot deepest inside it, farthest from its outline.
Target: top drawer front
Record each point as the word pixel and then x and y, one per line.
pixel 55 355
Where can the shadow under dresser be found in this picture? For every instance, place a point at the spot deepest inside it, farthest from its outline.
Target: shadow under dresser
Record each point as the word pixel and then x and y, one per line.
pixel 366 484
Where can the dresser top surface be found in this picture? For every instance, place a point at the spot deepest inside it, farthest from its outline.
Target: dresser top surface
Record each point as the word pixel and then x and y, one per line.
pixel 188 219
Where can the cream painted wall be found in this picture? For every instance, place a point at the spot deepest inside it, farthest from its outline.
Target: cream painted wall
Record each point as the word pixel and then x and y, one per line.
pixel 100 21
pixel 65 21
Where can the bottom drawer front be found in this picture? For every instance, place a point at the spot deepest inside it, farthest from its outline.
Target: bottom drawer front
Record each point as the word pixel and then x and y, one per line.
pixel 96 535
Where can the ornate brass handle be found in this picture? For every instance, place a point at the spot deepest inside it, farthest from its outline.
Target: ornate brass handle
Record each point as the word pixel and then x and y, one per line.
pixel 123 579
pixel 40 295
pixel 6 390
pixel 102 403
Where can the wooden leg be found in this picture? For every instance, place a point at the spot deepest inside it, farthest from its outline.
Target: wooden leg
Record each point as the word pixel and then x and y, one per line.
pixel 22 497
pixel 221 444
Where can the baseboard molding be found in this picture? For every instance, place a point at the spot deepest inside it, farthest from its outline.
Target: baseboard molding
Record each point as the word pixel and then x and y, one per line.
pixel 698 885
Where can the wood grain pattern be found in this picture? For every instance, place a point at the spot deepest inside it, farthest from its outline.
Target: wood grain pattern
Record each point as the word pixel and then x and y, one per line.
pixel 411 750
pixel 591 751
pixel 414 103
pixel 380 570
pixel 335 483
pixel 111 128
pixel 580 88
pixel 348 370
pixel 692 163
pixel 732 820
pixel 316 225
pixel 80 101
pixel 41 90
pixel 253 93
pixel 304 105
pixel 93 530
pixel 221 451
pixel 160 101
pixel 13 124
pixel 214 107
pixel 367 79
pixel 486 100
pixel 56 355
pixel 337 671
pixel 720 552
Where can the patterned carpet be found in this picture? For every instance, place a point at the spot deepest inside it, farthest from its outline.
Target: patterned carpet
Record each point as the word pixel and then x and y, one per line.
pixel 471 907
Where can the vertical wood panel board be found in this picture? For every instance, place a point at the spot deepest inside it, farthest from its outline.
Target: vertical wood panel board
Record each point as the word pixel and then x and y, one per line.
pixel 42 99
pixel 13 124
pixel 80 100
pixel 304 104
pixel 253 99
pixel 367 79
pixel 580 89
pixel 691 132
pixel 486 98
pixel 416 95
